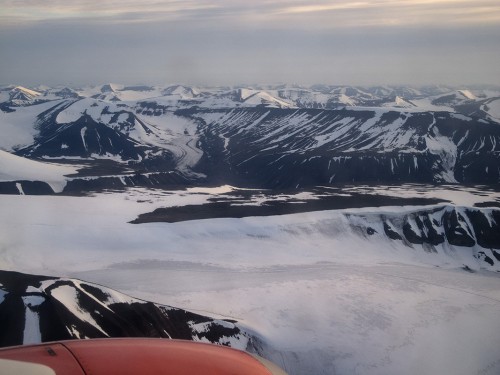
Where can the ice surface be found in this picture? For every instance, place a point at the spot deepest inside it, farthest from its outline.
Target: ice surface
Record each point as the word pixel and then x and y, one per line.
pixel 323 298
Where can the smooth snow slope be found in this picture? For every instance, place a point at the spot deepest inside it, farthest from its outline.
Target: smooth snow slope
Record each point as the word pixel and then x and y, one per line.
pixel 16 168
pixel 324 299
pixel 18 127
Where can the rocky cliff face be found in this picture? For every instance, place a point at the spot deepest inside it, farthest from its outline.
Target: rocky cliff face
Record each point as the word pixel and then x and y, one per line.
pixel 296 148
pixel 441 229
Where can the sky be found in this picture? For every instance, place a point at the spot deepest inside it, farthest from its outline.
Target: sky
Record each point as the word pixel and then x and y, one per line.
pixel 229 42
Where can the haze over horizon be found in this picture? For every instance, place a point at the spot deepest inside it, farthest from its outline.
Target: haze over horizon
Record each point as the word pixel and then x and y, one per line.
pixel 225 42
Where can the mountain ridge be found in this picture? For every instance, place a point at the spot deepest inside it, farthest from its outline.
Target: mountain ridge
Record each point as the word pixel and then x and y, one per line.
pixel 46 308
pixel 273 137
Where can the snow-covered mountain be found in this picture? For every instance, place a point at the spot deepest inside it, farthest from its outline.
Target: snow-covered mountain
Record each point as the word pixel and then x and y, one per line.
pixel 38 309
pixel 183 92
pixel 305 147
pixel 22 96
pixel 349 229
pixel 267 136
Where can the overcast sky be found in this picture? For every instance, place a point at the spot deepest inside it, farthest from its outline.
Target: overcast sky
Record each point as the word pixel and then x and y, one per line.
pixel 231 41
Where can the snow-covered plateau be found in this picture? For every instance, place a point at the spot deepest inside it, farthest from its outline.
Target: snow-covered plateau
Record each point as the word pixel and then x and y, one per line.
pixel 321 294
pixel 332 229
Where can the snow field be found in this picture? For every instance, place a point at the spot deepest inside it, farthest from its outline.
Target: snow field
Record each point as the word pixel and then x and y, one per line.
pixel 323 299
pixel 14 168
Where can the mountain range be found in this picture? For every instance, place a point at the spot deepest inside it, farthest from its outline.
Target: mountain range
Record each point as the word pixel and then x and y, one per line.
pixel 344 228
pixel 282 136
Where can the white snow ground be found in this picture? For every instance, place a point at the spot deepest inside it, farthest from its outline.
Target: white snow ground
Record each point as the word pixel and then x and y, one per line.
pixel 324 300
pixel 18 127
pixel 17 168
pixel 32 334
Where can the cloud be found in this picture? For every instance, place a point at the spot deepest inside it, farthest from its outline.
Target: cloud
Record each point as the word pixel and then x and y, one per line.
pixel 319 14
pixel 231 41
pixel 407 13
pixel 145 10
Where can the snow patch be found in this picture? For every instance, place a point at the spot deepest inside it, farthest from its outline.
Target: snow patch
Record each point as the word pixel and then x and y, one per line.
pixel 3 293
pixel 67 295
pixel 19 188
pixel 32 333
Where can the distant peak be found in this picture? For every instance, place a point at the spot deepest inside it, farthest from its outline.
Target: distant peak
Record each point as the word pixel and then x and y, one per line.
pixel 467 94
pixel 183 91
pixel 111 87
pixel 25 90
